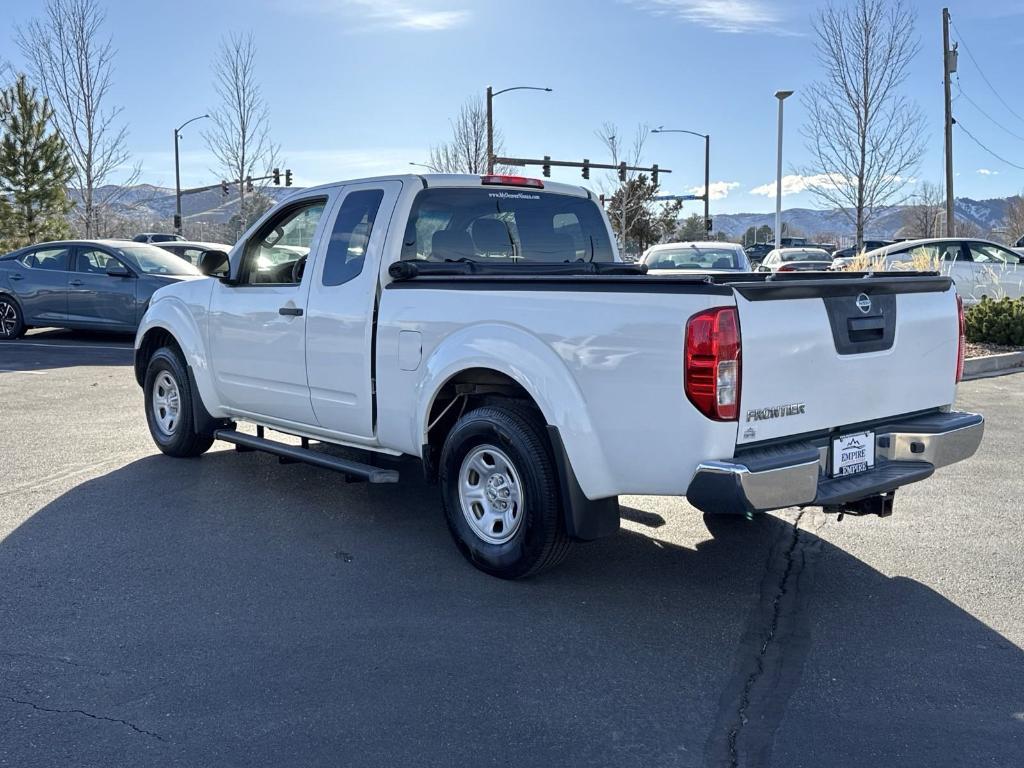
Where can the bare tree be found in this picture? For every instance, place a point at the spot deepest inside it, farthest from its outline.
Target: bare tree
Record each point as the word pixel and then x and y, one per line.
pixel 863 135
pixel 240 136
pixel 926 214
pixel 72 61
pixel 631 198
pixel 466 151
pixel 1014 221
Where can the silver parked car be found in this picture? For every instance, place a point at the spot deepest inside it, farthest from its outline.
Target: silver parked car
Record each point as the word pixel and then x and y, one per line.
pixel 796 260
pixel 89 284
pixel 708 257
pixel 191 250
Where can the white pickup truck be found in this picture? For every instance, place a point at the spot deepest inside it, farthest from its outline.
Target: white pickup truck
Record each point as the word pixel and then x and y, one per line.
pixel 487 326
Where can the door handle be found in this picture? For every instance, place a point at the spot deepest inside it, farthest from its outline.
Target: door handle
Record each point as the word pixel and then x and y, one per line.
pixel 17 276
pixel 75 283
pixel 292 311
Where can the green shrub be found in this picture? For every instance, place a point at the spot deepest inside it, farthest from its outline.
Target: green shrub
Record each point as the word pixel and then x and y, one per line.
pixel 997 322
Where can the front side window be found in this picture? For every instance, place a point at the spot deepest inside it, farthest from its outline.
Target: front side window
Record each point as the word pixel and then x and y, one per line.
pixel 94 261
pixel 505 224
pixel 50 259
pixel 277 253
pixel 346 252
pixel 987 253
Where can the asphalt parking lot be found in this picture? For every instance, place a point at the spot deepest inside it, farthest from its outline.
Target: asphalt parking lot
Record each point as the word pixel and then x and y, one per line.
pixel 232 611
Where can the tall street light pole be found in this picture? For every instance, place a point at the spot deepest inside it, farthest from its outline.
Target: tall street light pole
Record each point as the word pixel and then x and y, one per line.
pixel 781 96
pixel 491 93
pixel 948 67
pixel 177 173
pixel 707 166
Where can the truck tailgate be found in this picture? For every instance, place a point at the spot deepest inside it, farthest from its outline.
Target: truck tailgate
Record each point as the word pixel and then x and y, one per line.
pixel 820 354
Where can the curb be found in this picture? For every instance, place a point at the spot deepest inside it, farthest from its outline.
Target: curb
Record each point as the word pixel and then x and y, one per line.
pixel 993 365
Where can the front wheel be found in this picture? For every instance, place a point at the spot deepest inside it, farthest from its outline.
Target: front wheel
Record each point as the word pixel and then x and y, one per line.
pixel 499 489
pixel 169 406
pixel 12 324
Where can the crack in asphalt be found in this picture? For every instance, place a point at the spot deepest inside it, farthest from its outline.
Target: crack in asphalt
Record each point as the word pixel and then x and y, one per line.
pixel 773 625
pixel 134 727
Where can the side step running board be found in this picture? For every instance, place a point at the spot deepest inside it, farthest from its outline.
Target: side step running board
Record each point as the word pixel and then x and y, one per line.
pixel 349 468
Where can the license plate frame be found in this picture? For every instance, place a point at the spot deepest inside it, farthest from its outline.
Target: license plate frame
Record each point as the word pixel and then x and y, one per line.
pixel 852 454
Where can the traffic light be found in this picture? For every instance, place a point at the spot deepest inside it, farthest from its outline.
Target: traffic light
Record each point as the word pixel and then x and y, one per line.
pixel 586 169
pixel 248 183
pixel 277 176
pixel 287 177
pixel 177 222
pixel 654 174
pixel 223 187
pixel 622 171
pixel 707 223
pixel 547 165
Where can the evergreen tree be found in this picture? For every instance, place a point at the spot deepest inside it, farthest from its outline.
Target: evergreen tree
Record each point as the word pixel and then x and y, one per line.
pixel 34 169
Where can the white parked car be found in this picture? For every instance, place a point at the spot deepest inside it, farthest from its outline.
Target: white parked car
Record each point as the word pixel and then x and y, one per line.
pixel 978 267
pixel 487 326
pixel 708 257
pixel 796 260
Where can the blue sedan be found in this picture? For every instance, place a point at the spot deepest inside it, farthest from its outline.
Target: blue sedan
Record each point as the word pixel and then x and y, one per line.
pixel 87 284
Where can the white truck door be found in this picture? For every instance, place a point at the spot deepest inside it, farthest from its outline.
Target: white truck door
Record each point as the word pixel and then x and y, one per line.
pixel 342 295
pixel 258 324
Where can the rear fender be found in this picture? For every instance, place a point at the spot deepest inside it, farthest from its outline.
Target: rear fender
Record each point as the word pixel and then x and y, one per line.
pixel 539 370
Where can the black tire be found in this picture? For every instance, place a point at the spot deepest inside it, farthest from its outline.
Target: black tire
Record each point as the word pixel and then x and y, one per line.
pixel 539 540
pixel 174 436
pixel 12 322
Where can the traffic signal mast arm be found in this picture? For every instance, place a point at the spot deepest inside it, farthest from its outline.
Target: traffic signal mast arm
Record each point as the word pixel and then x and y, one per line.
pixel 546 163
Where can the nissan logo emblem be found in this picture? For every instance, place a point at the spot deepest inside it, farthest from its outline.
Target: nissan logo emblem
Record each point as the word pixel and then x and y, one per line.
pixel 864 303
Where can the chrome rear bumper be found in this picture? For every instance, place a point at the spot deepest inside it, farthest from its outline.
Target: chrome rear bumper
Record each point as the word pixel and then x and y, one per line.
pixel 796 475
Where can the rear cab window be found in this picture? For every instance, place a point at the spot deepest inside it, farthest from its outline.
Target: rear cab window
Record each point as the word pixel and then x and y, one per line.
pixel 505 224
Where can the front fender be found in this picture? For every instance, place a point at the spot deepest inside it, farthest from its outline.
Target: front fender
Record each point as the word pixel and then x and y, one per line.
pixel 542 372
pixel 184 318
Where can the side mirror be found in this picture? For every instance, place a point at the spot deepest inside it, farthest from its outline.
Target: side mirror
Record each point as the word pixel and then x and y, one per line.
pixel 117 269
pixel 214 264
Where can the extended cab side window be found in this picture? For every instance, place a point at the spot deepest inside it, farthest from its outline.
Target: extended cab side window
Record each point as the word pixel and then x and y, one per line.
pixel 276 254
pixel 346 251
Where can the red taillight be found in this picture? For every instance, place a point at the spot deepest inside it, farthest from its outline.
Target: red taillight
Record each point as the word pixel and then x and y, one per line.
pixel 962 344
pixel 512 181
pixel 787 268
pixel 712 374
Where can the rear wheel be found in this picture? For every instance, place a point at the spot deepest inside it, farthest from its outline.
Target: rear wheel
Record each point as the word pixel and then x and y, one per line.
pixel 500 492
pixel 12 324
pixel 169 406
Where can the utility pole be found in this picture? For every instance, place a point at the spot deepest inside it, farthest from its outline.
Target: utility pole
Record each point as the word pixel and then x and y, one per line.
pixel 707 182
pixel 948 67
pixel 781 96
pixel 490 131
pixel 177 173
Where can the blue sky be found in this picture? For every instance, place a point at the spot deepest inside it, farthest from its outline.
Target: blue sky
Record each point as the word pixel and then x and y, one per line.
pixel 360 87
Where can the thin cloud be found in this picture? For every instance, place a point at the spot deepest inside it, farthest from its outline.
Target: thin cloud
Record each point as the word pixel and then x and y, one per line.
pixel 987 172
pixel 732 16
pixel 390 14
pixel 719 189
pixel 794 184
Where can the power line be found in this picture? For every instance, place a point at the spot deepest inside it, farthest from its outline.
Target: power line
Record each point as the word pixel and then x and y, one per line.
pixel 982 73
pixel 976 141
pixel 960 92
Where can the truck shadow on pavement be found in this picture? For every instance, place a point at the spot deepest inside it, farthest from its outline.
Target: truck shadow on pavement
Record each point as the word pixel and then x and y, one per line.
pixel 231 611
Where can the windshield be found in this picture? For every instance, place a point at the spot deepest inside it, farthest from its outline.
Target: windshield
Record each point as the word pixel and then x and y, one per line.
pixel 812 254
pixel 693 257
pixel 505 225
pixel 154 260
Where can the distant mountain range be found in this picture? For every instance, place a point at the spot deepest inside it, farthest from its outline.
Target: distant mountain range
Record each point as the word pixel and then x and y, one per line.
pixel 155 205
pixel 987 215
